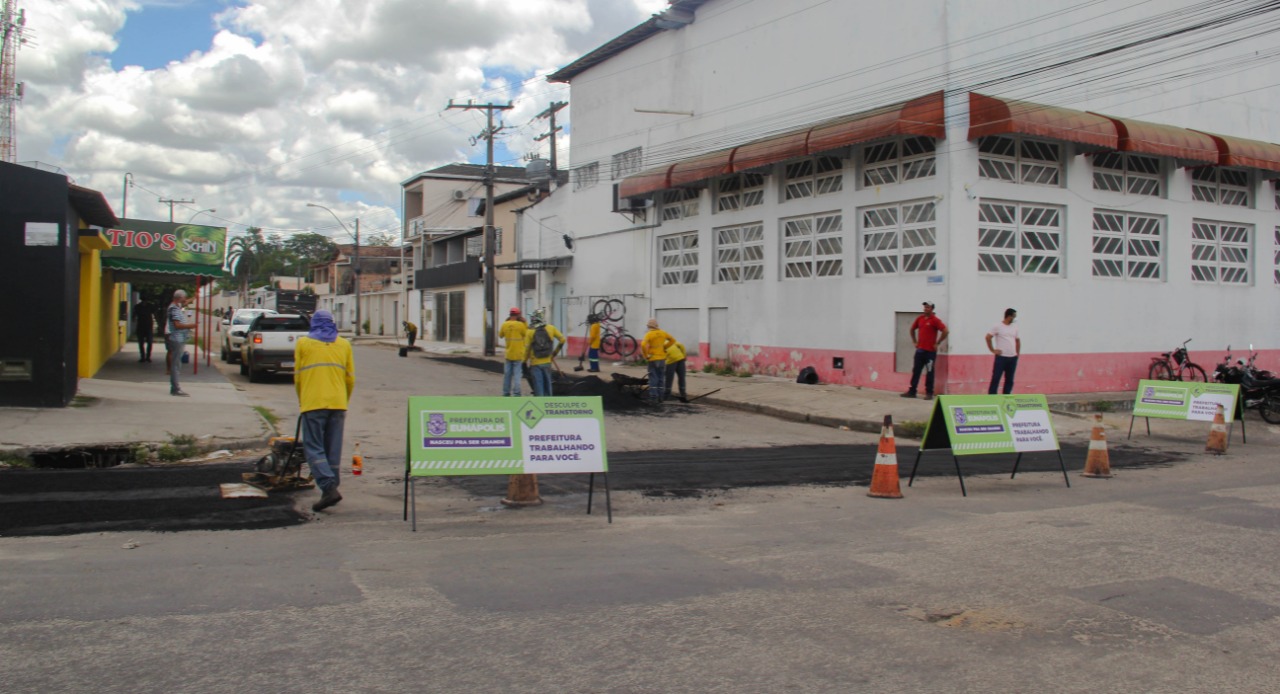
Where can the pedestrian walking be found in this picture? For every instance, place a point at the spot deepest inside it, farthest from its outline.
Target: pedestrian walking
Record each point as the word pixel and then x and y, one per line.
pixel 1003 341
pixel 676 356
pixel 144 329
pixel 543 342
pixel 175 340
pixel 410 332
pixel 513 333
pixel 927 332
pixel 593 343
pixel 324 376
pixel 654 346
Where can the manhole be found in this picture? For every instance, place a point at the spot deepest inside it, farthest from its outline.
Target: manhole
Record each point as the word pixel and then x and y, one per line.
pixel 82 458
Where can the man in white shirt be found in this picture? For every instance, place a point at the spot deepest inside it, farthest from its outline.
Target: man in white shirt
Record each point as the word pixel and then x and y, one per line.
pixel 1003 341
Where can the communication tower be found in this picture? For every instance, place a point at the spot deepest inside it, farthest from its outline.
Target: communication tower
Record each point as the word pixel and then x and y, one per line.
pixel 12 22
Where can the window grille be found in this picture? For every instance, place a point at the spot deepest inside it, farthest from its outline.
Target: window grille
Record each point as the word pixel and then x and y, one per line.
pixel 813 246
pixel 740 253
pixel 814 176
pixel 904 159
pixel 475 244
pixel 679 259
pixel 1020 161
pixel 1220 252
pixel 1019 238
pixel 626 163
pixel 1221 186
pixel 739 192
pixel 900 238
pixel 1277 256
pixel 1134 174
pixel 1128 245
pixel 680 203
pixel 586 176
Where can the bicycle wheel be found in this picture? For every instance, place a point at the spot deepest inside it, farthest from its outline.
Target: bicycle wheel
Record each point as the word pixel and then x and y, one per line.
pixel 1269 408
pixel 609 344
pixel 626 345
pixel 1192 372
pixel 1160 371
pixel 609 309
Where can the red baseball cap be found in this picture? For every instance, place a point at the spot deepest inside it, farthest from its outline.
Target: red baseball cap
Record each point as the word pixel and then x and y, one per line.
pixel 515 311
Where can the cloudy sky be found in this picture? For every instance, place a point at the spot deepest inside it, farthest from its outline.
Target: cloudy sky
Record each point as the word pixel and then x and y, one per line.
pixel 257 107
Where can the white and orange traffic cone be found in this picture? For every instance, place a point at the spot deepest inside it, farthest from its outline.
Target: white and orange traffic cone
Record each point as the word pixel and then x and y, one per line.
pixel 1217 433
pixel 884 480
pixel 1098 462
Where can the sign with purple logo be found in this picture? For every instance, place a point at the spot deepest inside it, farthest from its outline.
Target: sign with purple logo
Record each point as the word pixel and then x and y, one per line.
pixel 467 429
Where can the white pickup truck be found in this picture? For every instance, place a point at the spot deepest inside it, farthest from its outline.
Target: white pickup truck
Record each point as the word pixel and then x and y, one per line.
pixel 268 346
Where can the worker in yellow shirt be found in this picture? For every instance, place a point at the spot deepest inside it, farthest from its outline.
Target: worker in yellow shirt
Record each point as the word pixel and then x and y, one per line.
pixel 675 369
pixel 654 346
pixel 593 343
pixel 513 332
pixel 324 375
pixel 542 343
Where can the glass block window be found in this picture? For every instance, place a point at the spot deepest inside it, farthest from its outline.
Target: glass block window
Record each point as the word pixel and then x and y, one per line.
pixel 626 163
pixel 1220 252
pixel 813 246
pixel 899 238
pixel 904 159
pixel 740 253
pixel 1129 246
pixel 1220 186
pixel 679 258
pixel 814 176
pixel 739 192
pixel 680 203
pixel 1020 161
pixel 1134 174
pixel 586 176
pixel 1019 238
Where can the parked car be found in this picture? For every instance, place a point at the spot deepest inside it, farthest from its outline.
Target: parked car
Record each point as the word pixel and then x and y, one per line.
pixel 268 346
pixel 234 329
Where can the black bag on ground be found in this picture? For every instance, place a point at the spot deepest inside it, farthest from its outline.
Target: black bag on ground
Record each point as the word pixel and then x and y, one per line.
pixel 542 344
pixel 808 376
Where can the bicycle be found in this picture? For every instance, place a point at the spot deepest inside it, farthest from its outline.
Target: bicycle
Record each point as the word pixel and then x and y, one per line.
pixel 616 341
pixel 1176 366
pixel 609 310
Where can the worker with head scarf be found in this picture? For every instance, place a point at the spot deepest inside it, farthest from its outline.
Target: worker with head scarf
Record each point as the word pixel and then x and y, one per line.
pixel 324 376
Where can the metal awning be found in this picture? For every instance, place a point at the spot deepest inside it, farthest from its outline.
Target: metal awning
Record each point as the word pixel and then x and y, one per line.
pixel 1164 141
pixel 160 267
pixel 989 115
pixel 538 263
pixel 922 117
pixel 1252 154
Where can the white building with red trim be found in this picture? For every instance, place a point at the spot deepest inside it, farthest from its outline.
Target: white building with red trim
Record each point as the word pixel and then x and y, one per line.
pixel 783 184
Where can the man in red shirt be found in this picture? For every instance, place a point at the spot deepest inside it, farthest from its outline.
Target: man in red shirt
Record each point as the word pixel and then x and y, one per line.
pixel 926 334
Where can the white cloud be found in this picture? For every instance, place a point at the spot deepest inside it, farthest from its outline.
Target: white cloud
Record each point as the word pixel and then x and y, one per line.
pixel 298 101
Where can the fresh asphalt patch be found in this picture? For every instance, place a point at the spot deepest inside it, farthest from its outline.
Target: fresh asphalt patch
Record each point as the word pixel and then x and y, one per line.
pixel 159 499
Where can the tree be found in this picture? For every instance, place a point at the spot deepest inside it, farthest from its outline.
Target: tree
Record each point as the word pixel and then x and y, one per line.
pixel 244 255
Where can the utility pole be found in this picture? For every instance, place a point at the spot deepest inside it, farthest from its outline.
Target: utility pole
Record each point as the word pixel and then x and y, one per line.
pixel 128 181
pixel 171 203
pixel 551 113
pixel 490 281
pixel 357 273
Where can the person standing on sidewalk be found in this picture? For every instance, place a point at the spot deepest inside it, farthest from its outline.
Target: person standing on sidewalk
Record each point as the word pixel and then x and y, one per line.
pixel 927 332
pixel 175 339
pixel 513 333
pixel 144 329
pixel 593 343
pixel 654 346
pixel 542 343
pixel 324 376
pixel 676 356
pixel 1003 341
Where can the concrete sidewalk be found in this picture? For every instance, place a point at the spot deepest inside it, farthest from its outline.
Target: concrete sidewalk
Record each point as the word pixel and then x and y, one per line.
pixel 128 402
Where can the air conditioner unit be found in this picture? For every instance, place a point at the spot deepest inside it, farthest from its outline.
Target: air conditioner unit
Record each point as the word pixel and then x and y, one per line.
pixel 459 195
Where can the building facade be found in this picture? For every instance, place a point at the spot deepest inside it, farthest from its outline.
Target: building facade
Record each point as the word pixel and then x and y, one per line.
pixel 1119 193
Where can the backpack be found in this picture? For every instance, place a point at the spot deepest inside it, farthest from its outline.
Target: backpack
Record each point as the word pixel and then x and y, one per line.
pixel 542 344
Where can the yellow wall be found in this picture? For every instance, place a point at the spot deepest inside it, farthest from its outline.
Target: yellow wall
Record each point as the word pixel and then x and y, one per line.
pixel 99 308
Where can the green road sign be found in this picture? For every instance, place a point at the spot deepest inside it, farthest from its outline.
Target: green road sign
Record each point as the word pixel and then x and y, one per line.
pixel 1189 400
pixel 505 436
pixel 974 424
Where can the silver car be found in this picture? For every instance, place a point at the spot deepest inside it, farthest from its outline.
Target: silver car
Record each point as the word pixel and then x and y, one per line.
pixel 234 329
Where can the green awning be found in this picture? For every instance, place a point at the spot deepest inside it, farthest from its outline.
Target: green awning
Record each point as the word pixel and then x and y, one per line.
pixel 163 268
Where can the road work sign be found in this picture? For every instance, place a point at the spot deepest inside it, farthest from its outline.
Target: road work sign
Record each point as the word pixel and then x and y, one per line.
pixel 505 436
pixel 1190 400
pixel 975 424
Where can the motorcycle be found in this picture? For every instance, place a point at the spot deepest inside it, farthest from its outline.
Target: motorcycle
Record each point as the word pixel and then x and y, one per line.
pixel 1259 388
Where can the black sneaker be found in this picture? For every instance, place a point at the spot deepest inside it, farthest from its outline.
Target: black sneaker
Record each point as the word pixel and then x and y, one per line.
pixel 327 499
pixel 928 396
pixel 908 394
pixel 179 393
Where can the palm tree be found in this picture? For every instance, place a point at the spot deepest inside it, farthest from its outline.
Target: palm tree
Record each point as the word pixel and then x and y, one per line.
pixel 243 258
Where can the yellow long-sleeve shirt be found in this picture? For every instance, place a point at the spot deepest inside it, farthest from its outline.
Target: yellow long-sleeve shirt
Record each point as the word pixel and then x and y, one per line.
pixel 324 374
pixel 675 353
pixel 654 344
pixel 593 336
pixel 513 332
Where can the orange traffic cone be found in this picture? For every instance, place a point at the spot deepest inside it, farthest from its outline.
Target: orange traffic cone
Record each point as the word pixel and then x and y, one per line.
pixel 884 480
pixel 1098 462
pixel 1217 434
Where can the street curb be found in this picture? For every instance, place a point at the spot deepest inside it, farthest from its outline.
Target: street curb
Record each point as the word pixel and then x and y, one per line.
pixel 868 426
